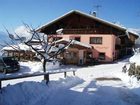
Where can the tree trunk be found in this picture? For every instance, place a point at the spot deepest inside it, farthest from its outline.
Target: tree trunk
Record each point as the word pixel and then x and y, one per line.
pixel 44 65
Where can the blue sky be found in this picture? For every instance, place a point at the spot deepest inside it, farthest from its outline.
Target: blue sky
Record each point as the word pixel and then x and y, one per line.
pixel 39 12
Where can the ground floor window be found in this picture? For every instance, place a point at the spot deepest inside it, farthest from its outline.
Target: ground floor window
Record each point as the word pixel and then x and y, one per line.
pixel 101 56
pixel 75 38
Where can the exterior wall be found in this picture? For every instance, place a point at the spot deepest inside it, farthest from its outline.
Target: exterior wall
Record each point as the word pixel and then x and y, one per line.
pixel 81 57
pixel 117 50
pixel 64 36
pixel 75 56
pixel 71 56
pixel 107 46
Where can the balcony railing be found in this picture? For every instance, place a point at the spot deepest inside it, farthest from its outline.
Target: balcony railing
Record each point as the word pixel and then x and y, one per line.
pixel 79 31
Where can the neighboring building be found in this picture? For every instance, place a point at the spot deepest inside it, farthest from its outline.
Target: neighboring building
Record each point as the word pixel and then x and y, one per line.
pixel 23 52
pixel 109 41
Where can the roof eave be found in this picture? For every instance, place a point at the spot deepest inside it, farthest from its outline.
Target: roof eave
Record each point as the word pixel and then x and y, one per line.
pixel 79 12
pixel 88 15
pixel 53 21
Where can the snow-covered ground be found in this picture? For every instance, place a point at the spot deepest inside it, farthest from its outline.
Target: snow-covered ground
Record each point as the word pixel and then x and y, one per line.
pixel 94 85
pixel 135 59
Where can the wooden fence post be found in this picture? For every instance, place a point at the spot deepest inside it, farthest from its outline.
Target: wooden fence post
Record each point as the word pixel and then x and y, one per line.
pixel 65 74
pixel 74 73
pixel 0 84
pixel 46 77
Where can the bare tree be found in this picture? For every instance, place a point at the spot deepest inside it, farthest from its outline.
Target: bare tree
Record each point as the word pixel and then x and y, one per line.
pixel 47 43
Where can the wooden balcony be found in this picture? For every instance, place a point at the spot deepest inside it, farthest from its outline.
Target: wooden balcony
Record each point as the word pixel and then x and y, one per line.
pixel 87 31
pixel 79 31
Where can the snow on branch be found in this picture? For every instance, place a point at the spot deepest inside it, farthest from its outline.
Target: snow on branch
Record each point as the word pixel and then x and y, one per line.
pixel 47 49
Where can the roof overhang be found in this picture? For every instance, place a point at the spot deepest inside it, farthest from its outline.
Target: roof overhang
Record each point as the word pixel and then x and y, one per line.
pixel 89 16
pixel 74 44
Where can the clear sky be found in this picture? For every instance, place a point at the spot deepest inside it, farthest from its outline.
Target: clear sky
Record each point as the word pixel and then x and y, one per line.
pixel 39 12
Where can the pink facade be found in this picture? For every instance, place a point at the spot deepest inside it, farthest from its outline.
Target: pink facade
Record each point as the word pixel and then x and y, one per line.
pixel 108 40
pixel 107 47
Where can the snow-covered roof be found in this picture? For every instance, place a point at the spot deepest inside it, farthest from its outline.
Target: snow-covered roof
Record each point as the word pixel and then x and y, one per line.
pixel 134 31
pixel 90 16
pixel 135 59
pixel 74 42
pixel 20 46
pixel 35 40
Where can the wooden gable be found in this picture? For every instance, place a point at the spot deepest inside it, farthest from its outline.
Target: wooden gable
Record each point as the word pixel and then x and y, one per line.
pixel 76 23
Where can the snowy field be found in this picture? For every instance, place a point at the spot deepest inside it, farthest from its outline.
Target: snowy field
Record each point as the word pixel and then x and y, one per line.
pixel 94 85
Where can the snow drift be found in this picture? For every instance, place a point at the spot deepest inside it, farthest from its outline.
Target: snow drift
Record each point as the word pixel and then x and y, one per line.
pixel 84 89
pixel 135 59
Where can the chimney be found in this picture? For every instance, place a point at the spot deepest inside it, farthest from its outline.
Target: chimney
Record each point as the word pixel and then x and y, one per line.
pixel 94 13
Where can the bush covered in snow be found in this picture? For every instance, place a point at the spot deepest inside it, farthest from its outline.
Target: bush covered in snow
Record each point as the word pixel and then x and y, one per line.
pixel 134 66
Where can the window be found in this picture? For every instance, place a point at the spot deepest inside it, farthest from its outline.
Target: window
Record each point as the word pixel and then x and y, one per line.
pixel 77 39
pixel 101 56
pixel 95 40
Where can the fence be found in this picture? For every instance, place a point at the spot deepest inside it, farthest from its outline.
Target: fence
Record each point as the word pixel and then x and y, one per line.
pixel 25 75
